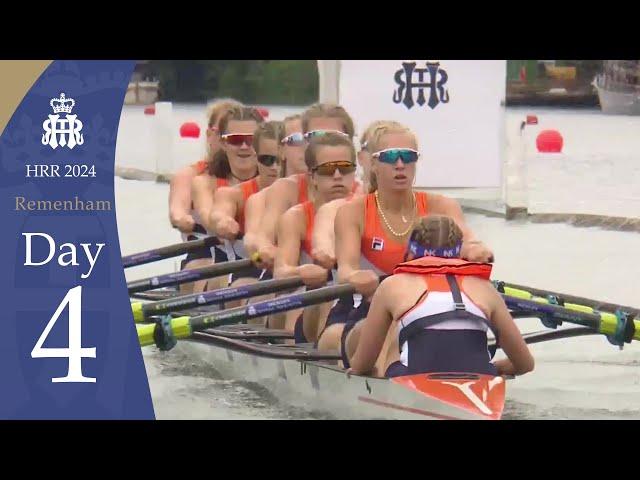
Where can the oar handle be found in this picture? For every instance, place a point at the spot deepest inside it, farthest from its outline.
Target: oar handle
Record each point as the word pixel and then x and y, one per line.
pixel 186 276
pixel 142 311
pixel 168 251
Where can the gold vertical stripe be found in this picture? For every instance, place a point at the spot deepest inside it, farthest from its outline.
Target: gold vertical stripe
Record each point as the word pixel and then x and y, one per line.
pixel 18 76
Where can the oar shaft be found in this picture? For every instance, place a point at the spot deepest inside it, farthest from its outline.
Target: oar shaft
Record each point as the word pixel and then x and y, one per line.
pixel 142 311
pixel 165 333
pixel 522 291
pixel 270 307
pixel 186 276
pixel 167 252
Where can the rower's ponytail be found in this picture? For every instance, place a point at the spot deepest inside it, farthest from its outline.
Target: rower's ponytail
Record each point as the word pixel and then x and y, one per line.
pixel 437 231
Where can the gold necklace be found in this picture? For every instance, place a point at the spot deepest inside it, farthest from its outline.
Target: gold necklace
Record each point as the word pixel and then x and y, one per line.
pixel 384 218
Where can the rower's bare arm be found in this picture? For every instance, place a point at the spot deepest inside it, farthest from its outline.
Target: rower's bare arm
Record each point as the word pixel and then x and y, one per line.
pixel 277 202
pixel 323 238
pixel 373 331
pixel 472 248
pixel 202 191
pixel 348 232
pixel 291 232
pixel 253 213
pixel 289 235
pixel 519 359
pixel 221 220
pixel 180 200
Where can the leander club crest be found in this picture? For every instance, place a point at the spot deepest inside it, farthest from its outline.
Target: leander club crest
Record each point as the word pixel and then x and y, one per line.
pixel 410 78
pixel 62 131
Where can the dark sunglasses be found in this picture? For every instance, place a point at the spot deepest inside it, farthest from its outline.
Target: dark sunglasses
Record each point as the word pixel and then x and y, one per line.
pixel 329 169
pixel 237 139
pixel 392 155
pixel 294 140
pixel 268 160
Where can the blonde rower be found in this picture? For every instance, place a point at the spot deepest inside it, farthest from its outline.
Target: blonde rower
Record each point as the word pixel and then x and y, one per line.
pixel 287 192
pixel 371 231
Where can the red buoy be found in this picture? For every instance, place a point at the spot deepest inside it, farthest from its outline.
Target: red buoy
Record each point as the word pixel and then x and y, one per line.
pixel 264 112
pixel 532 120
pixel 190 130
pixel 549 141
pixel 150 110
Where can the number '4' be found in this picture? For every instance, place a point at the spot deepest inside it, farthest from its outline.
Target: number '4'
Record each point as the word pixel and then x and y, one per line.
pixel 75 352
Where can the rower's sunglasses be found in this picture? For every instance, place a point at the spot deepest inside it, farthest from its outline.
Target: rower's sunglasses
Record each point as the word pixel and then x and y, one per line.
pixel 237 139
pixel 329 169
pixel 268 160
pixel 392 155
pixel 294 140
pixel 320 133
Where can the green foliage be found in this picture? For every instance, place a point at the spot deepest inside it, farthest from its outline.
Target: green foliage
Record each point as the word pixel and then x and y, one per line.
pixel 282 82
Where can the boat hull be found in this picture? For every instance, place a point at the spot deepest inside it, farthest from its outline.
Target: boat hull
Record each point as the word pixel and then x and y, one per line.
pixel 324 386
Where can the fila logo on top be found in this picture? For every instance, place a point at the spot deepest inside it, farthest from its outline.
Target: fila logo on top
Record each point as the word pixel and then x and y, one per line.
pixel 410 79
pixel 62 131
pixel 377 244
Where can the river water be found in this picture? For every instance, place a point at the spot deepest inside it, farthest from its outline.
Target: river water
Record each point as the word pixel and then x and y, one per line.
pixel 582 378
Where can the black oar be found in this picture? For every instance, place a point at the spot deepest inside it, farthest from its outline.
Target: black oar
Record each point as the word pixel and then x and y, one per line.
pixel 186 276
pixel 165 333
pixel 142 311
pixel 561 298
pixel 168 252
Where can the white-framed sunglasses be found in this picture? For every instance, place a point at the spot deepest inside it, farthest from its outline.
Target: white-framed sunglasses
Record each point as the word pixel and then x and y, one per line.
pixel 392 155
pixel 319 133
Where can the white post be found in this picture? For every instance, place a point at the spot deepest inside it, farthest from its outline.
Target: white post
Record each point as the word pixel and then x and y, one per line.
pixel 329 75
pixel 515 178
pixel 163 137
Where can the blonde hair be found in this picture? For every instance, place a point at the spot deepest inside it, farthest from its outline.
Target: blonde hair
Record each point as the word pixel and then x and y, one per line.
pixel 437 231
pixel 328 110
pixel 271 130
pixel 364 138
pixel 374 134
pixel 330 139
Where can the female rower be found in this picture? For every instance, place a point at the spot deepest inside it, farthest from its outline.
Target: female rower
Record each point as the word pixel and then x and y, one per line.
pixel 433 313
pixel 226 218
pixel 287 192
pixel 331 159
pixel 181 210
pixel 371 231
pixel 234 163
pixel 323 235
pixel 292 145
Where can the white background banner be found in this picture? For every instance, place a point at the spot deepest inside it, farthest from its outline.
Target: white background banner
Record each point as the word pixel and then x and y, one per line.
pixel 460 138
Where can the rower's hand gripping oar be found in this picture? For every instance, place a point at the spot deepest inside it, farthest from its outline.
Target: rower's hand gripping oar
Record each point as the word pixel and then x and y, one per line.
pixel 186 276
pixel 142 311
pixel 165 333
pixel 169 251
